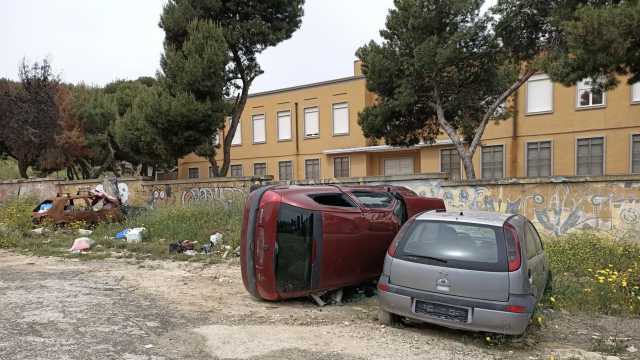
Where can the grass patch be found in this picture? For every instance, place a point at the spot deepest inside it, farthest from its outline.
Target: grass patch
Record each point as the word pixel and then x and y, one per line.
pixel 164 225
pixel 595 273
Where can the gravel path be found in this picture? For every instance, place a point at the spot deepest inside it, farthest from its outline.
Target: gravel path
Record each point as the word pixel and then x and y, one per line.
pixel 52 308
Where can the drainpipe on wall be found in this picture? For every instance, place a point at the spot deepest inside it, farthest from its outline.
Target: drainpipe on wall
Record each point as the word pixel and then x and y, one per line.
pixel 514 137
pixel 297 142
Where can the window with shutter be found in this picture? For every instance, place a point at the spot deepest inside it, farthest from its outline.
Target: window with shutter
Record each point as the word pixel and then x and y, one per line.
pixel 237 137
pixel 340 119
pixel 635 92
pixel 259 134
pixel 284 125
pixel 194 173
pixel 539 94
pixel 311 122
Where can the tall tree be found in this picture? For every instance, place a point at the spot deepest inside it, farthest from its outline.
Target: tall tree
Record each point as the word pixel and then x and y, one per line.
pixel 28 114
pixel 612 49
pixel 248 28
pixel 444 65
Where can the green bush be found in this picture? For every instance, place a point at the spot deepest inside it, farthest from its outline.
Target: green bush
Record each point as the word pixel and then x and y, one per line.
pixel 595 273
pixel 15 220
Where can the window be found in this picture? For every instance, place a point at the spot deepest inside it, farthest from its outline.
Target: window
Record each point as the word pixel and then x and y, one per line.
pixel 402 166
pixel 311 122
pixel 539 158
pixel 333 200
pixel 236 170
pixel 493 162
pixel 284 125
pixel 285 171
pixel 260 169
pixel 450 163
pixel 237 137
pixel 635 92
pixel 259 134
pixel 341 167
pixel 340 119
pixel 588 96
pixel 635 154
pixel 454 245
pixel 194 173
pixel 590 156
pixel 312 169
pixel 539 94
pixel 215 141
pixel 210 172
pixel 375 200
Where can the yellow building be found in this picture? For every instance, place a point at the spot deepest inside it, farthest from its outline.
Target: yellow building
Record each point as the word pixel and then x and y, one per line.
pixel 312 132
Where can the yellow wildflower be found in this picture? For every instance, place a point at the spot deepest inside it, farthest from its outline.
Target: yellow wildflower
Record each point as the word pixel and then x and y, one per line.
pixel 552 299
pixel 624 283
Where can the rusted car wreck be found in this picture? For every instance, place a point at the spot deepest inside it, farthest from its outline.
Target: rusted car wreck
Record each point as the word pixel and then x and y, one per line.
pixel 90 207
pixel 306 240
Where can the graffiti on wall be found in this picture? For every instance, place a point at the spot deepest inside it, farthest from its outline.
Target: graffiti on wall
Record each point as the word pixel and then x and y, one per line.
pixel 221 194
pixel 160 194
pixel 555 208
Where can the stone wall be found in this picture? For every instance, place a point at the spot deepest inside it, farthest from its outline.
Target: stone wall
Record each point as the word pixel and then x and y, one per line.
pixel 556 205
pixel 198 190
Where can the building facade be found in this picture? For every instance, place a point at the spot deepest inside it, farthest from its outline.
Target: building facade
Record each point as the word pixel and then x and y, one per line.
pixel 311 132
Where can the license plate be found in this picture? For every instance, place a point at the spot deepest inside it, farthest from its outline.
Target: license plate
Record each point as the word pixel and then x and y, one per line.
pixel 440 311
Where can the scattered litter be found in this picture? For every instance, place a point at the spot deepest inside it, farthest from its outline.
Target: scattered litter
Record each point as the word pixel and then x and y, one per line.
pixel 182 246
pixel 81 244
pixel 39 231
pixel 190 253
pixel 632 349
pixel 135 235
pixel 122 234
pixel 215 239
pixel 83 232
pixel 148 346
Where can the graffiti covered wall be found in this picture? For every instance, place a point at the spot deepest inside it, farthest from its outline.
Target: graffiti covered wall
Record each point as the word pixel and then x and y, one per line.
pixel 556 207
pixel 185 192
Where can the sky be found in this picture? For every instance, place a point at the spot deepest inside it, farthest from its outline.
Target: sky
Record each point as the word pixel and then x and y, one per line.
pixel 98 41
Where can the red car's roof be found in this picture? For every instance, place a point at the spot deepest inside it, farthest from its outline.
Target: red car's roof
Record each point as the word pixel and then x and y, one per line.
pixel 298 195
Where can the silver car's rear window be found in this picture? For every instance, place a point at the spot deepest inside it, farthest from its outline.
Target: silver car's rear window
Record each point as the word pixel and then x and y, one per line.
pixel 455 244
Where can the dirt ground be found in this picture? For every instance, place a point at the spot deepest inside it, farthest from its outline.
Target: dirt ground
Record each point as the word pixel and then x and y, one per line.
pixel 53 308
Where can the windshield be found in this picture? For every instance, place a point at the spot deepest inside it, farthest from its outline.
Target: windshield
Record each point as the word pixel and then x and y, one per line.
pixel 454 244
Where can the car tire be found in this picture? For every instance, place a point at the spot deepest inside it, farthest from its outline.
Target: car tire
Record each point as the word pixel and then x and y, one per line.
pixel 387 318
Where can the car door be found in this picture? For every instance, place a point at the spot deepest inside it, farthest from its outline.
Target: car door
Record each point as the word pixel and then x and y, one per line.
pixel 536 272
pixel 381 224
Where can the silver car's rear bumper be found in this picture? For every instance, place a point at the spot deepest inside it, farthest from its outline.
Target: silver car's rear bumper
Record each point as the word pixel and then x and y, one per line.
pixel 480 319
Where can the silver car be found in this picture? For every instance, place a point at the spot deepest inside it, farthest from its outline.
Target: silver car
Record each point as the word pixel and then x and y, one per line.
pixel 479 271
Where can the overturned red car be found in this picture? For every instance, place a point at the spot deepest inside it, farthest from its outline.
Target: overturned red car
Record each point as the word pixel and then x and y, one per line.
pixel 301 240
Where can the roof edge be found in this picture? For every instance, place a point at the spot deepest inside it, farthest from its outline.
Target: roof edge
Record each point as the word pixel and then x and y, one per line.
pixel 306 86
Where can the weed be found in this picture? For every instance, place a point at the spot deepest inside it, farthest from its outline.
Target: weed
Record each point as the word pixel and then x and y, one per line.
pixel 594 273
